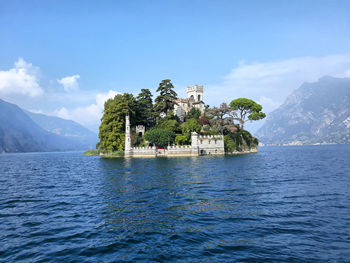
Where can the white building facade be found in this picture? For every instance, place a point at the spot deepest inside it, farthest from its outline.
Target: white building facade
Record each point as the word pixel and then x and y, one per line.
pixel 194 100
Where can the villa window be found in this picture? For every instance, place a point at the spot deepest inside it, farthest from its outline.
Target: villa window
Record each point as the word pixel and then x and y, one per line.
pixel 199 97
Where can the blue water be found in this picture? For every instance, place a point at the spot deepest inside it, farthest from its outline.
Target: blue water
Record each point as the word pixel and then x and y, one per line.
pixel 284 204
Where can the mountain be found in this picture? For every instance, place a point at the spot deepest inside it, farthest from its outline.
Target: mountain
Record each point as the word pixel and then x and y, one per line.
pixel 315 113
pixel 65 128
pixel 19 133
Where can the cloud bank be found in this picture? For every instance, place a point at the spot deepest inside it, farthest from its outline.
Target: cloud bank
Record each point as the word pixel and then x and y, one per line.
pixel 270 83
pixel 70 83
pixel 88 116
pixel 21 80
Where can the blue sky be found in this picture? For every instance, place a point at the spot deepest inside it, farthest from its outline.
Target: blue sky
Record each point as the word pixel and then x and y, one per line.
pixel 70 54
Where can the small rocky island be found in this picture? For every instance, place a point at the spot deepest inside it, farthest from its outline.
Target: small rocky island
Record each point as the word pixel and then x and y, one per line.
pixel 172 126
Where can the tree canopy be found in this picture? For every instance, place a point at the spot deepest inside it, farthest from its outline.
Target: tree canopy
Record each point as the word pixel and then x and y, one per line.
pixel 144 108
pixel 222 118
pixel 193 113
pixel 160 137
pixel 166 99
pixel 247 109
pixel 112 128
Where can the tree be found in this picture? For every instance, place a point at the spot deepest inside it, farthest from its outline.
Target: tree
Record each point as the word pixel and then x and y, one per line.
pixel 144 108
pixel 166 99
pixel 190 126
pixel 203 121
pixel 221 112
pixel 194 113
pixel 169 124
pixel 160 137
pixel 247 109
pixel 230 144
pixel 112 128
pixel 181 140
pixel 222 119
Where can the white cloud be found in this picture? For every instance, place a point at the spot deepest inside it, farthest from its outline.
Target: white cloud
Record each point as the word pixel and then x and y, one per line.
pixel 21 80
pixel 271 82
pixel 69 83
pixel 89 116
pixel 36 111
pixel 101 98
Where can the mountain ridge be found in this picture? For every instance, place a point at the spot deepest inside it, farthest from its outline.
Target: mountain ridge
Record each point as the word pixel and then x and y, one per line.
pixel 315 113
pixel 66 128
pixel 20 133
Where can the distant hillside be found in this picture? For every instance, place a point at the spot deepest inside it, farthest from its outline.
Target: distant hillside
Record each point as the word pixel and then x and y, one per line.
pixel 19 133
pixel 314 113
pixel 66 128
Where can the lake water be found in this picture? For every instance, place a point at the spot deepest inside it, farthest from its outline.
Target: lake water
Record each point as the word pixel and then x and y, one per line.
pixel 283 204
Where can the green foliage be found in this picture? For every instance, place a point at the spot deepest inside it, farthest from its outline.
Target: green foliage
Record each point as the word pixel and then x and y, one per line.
pixel 256 116
pixel 172 116
pixel 91 152
pixel 112 128
pixel 247 108
pixel 230 144
pixel 243 140
pixel 181 140
pixel 144 109
pixel 160 137
pixel 249 139
pixel 169 124
pixel 165 100
pixel 193 113
pixel 190 126
pixel 114 154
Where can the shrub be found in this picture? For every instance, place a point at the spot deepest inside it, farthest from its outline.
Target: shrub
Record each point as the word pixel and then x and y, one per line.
pixel 181 140
pixel 160 137
pixel 230 144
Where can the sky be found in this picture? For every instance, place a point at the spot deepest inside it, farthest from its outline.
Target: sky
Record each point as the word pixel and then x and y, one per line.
pixel 65 58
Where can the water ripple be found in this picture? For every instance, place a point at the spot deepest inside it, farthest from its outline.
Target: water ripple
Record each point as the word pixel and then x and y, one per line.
pixel 284 204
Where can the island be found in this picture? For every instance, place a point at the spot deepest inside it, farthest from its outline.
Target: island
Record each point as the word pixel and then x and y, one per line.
pixel 172 126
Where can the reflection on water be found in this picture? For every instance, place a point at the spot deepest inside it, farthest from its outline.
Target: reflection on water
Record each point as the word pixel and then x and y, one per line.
pixel 280 205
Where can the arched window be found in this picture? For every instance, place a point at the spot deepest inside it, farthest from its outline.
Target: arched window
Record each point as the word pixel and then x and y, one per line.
pixel 199 97
pixel 192 97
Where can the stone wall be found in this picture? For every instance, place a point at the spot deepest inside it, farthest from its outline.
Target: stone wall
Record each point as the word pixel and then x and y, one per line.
pixel 201 145
pixel 181 151
pixel 142 152
pixel 211 145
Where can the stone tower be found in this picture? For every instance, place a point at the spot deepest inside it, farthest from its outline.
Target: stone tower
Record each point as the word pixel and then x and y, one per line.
pixel 195 92
pixel 194 144
pixel 127 136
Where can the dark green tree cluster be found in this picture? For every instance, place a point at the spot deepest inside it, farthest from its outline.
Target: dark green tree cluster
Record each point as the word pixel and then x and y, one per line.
pixel 144 109
pixel 141 111
pixel 166 100
pixel 112 128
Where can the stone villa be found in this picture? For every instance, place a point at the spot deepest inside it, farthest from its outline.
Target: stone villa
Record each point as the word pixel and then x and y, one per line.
pixel 194 100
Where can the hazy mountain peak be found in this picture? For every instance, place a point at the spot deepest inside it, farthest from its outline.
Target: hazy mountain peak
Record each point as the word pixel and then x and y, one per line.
pixel 316 112
pixel 23 131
